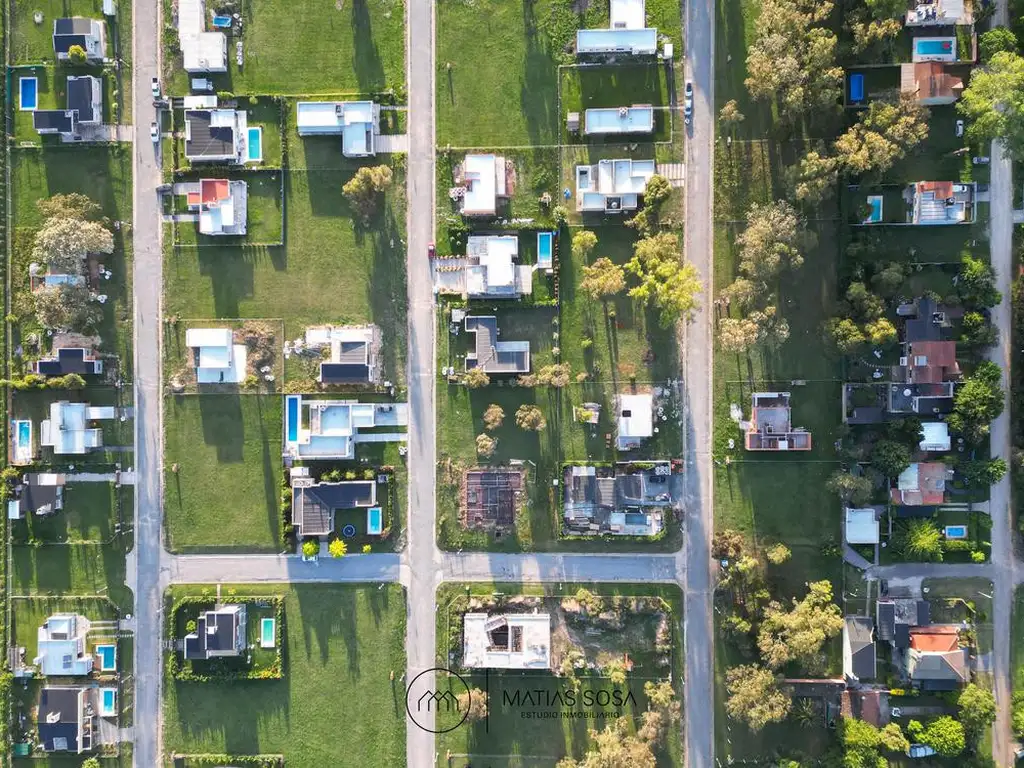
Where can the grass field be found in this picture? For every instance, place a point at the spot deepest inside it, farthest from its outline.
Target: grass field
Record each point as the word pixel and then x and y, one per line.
pixel 54 570
pixel 583 88
pixel 226 493
pixel 32 43
pixel 29 615
pixel 264 219
pixel 343 642
pixel 90 514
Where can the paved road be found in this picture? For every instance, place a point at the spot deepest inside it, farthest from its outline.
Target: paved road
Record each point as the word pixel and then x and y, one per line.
pixel 698 625
pixel 421 554
pixel 910 571
pixel 244 569
pixel 147 284
pixel 553 568
pixel 1001 236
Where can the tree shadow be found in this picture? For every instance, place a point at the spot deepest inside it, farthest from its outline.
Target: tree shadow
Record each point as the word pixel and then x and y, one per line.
pixel 366 62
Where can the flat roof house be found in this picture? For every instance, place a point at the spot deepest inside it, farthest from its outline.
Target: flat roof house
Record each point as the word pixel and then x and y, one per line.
pixel 770 427
pixel 357 122
pixel 506 641
pixel 215 356
pixel 222 205
pixel 215 135
pixel 491 355
pixel 483 181
pixel 635 414
pixel 492 271
pixel 929 83
pixel 861 526
pixel 62 646
pixel 41 493
pixel 894 617
pixel 62 721
pixel 858 648
pixel 638 118
pixel 612 186
pixel 84 107
pixel 354 353
pixel 627 32
pixel 600 501
pixel 330 429
pixel 67 431
pixel 67 360
pixel 921 484
pixel 940 202
pixel 935 436
pixel 201 51
pixel 220 632
pixel 314 504
pixel 939 13
pixel 87 34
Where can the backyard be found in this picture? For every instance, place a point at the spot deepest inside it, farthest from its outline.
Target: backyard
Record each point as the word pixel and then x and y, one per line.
pixel 91 511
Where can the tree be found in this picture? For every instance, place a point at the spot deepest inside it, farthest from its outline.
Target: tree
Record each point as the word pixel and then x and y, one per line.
pixel 863 304
pixel 846 335
pixel 890 458
pixel 924 540
pixel 977 708
pixel 589 601
pixel 363 190
pixel 778 553
pixel 727 545
pixel 475 378
pixel 994 102
pixel 868 32
pixel 602 279
pixel 63 244
pixel 800 632
pixel 888 280
pixel 494 416
pixel 996 40
pixel 976 331
pixel 977 283
pixel 881 332
pixel 883 135
pixel 978 402
pixel 92 762
pixel 556 375
pixel 665 281
pixel 730 113
pixel 755 697
pixel 485 445
pixel 661 696
pixel 742 291
pixel 862 742
pixel 76 55
pixel 66 307
pixel 68 206
pixel 945 735
pixel 613 747
pixel 530 418
pixel 816 177
pixel 737 334
pixel 853 489
pixel 980 473
pixel 772 241
pixel 310 547
pixel 337 548
pixel 583 244
pixel 616 671
pixel 656 192
pixel 474 703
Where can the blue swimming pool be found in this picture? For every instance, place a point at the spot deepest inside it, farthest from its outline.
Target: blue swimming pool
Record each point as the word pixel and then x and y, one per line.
pixel 22 441
pixel 293 418
pixel 636 518
pixel 255 142
pixel 956 531
pixel 108 702
pixel 108 657
pixel 28 92
pixel 374 521
pixel 545 242
pixel 875 203
pixel 856 88
pixel 222 22
pixel 268 633
pixel 933 46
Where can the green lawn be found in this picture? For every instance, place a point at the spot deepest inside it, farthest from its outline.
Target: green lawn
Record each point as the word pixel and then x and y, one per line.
pixel 225 495
pixel 583 88
pixel 90 569
pixel 354 46
pixel 264 219
pixel 29 614
pixel 90 513
pixel 343 643
pixel 32 43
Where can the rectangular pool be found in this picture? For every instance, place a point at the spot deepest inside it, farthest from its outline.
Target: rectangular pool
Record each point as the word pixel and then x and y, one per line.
pixel 221 22
pixel 22 441
pixel 956 531
pixel 108 657
pixel 856 88
pixel 268 633
pixel 28 93
pixel 545 243
pixel 255 142
pixel 374 521
pixel 292 411
pixel 934 49
pixel 875 203
pixel 108 702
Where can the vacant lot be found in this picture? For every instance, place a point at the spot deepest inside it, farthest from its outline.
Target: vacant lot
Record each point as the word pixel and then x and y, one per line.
pixel 71 569
pixel 343 642
pixel 225 494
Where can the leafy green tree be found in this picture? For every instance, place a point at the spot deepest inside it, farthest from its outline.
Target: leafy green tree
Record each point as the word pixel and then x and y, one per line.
pixel 473 702
pixel 614 747
pixel 778 553
pixel 730 113
pixel 602 279
pixel 364 189
pixel 883 134
pixel 945 735
pixel 864 305
pixel 977 331
pixel 977 708
pixel 656 192
pixel 994 102
pixel 881 332
pixel 846 335
pixel 772 241
pixel 530 418
pixel 337 548
pixel 76 55
pixel 66 307
pixel 924 540
pixel 93 762
pixel 64 243
pixel 978 401
pixel 981 473
pixel 996 40
pixel 616 671
pixel 583 244
pixel 800 632
pixel 890 458
pixel 311 547
pixel 475 378
pixel 665 281
pixel 888 280
pixel 853 489
pixel 755 697
pixel 69 206
pixel 977 283
pixel 816 178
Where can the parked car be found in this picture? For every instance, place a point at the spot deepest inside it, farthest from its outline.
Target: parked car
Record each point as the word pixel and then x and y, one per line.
pixel 920 750
pixel 897 712
pixel 688 102
pixel 959 127
pixel 154 132
pixel 156 88
pixel 982 160
pixel 430 250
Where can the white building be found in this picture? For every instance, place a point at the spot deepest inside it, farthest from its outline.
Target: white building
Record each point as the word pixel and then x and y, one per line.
pixel 354 353
pixel 861 526
pixel 506 641
pixel 355 121
pixel 484 180
pixel 222 206
pixel 935 436
pixel 67 431
pixel 635 415
pixel 62 647
pixel 201 51
pixel 612 186
pixel 636 119
pixel 330 429
pixel 492 271
pixel 626 33
pixel 216 358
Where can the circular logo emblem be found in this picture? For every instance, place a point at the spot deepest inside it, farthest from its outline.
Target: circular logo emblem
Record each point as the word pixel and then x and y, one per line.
pixel 430 693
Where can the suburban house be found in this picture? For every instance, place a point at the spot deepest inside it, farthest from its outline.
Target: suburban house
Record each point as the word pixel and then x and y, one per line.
pixel 858 648
pixel 895 616
pixel 492 271
pixel 612 186
pixel 935 437
pixel 638 118
pixel 627 32
pixel 41 493
pixel 84 108
pixel 921 484
pixel 929 83
pixel 490 498
pixel 506 641
pixel 481 182
pixel 933 203
pixel 67 431
pixel 860 526
pixel 354 353
pixel 357 122
pixel 600 500
pixel 770 427
pixel 222 205
pixel 64 721
pixel 215 356
pixel 330 429
pixel 493 356
pixel 927 367
pixel 201 51
pixel 87 34
pixel 868 704
pixel 220 632
pixel 68 360
pixel 314 504
pixel 62 646
pixel 936 661
pixel 214 135
pixel 928 362
pixel 635 415
pixel 939 13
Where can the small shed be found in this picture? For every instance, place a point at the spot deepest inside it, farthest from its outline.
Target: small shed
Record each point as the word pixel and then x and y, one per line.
pixel 572 122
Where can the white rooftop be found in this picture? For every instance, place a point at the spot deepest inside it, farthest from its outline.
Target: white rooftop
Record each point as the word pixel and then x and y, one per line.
pixel 483 184
pixel 635 417
pixel 62 647
pixel 495 272
pixel 201 51
pixel 627 14
pixel 66 430
pixel 861 526
pixel 507 641
pixel 635 119
pixel 355 120
pixel 935 436
pixel 220 360
pixel 622 180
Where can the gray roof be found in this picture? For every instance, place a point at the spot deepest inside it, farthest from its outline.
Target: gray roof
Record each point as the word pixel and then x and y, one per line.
pixel 80 97
pixel 206 140
pixel 491 355
pixel 859 648
pixel 313 506
pixel 53 120
pixel 74 25
pixel 215 631
pixel 35 496
pixel 58 720
pixel 950 666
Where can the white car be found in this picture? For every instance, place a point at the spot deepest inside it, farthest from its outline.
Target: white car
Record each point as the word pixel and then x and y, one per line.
pixel 156 88
pixel 981 160
pixel 154 132
pixel 959 128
